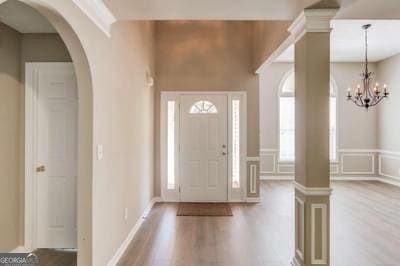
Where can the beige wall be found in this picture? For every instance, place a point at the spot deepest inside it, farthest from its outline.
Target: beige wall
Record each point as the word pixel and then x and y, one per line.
pixel 357 129
pixel 206 56
pixel 268 35
pixel 9 142
pixel 388 128
pixel 25 48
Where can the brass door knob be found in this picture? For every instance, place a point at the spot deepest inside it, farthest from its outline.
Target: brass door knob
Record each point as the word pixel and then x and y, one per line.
pixel 224 153
pixel 41 168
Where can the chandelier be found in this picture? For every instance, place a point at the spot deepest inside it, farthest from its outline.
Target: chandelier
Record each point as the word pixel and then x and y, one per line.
pixel 363 95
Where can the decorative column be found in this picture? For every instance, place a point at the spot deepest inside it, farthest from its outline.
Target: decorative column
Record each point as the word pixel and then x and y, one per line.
pixel 312 186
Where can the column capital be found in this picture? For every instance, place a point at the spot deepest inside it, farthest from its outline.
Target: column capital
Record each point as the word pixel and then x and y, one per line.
pixel 312 20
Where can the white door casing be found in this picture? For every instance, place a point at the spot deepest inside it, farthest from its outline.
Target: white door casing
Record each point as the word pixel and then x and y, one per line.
pixel 52 118
pixel 203 149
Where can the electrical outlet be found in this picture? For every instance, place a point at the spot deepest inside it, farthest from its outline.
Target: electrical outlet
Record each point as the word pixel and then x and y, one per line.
pixel 126 214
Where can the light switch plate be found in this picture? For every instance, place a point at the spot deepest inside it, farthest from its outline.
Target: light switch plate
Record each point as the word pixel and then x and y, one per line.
pixel 99 152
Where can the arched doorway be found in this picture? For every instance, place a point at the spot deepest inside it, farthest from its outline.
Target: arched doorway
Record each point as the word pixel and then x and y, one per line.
pixel 84 136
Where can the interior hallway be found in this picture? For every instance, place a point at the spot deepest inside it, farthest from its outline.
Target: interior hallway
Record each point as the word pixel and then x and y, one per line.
pixel 364 230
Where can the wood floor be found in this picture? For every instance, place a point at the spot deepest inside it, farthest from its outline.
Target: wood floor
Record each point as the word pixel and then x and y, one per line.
pixel 365 230
pixel 51 257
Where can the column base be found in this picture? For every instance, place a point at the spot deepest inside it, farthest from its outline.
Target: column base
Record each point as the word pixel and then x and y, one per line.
pixel 295 262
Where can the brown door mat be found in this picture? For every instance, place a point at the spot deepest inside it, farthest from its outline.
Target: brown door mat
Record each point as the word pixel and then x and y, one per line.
pixel 204 209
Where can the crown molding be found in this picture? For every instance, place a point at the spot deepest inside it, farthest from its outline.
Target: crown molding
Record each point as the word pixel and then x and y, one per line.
pixel 312 20
pixel 98 12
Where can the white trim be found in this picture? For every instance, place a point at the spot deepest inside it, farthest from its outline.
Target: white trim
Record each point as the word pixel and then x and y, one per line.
pixel 253 200
pixel 268 150
pixel 354 178
pixel 312 20
pixel 358 150
pixel 285 165
pixel 394 181
pixel 295 262
pixel 253 178
pixel 300 249
pixel 253 159
pixel 118 254
pixel 395 153
pixel 276 177
pixel 382 156
pixel 98 12
pixel 372 172
pixel 313 191
pixel 20 249
pixel 324 233
pixel 173 195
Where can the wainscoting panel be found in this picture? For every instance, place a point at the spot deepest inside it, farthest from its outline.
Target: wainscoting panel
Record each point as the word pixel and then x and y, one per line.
pixel 389 165
pixel 357 163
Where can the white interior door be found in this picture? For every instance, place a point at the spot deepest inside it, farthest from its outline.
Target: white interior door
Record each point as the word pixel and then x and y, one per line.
pixel 56 172
pixel 203 148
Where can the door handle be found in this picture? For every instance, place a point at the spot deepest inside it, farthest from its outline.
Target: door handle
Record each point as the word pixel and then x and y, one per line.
pixel 41 168
pixel 224 153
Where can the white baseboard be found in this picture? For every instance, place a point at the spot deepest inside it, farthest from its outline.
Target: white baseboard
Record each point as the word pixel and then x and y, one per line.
pixel 20 249
pixel 117 256
pixel 354 178
pixel 276 177
pixel 390 181
pixel 253 200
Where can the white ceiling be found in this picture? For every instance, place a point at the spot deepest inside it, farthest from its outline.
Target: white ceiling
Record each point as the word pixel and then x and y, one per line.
pixel 23 18
pixel 246 9
pixel 347 41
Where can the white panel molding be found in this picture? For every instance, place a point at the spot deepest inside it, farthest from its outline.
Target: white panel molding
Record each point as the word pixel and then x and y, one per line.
pixel 300 236
pixel 268 150
pixel 253 159
pixel 118 254
pixel 383 156
pixel 335 167
pixel 98 12
pixel 366 154
pixel 285 165
pixel 313 191
pixel 358 150
pixel 273 155
pixel 253 178
pixel 324 233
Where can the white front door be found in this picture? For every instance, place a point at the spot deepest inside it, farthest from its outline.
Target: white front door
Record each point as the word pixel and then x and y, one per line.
pixel 203 148
pixel 56 169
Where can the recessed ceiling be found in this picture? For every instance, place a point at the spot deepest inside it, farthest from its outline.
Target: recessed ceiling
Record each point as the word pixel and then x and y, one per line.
pixel 23 18
pixel 347 41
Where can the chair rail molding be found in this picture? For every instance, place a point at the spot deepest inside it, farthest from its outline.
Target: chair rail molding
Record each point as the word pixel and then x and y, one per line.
pixel 98 12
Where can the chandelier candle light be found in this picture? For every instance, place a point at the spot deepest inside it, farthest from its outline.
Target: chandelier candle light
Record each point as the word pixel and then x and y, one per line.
pixel 363 95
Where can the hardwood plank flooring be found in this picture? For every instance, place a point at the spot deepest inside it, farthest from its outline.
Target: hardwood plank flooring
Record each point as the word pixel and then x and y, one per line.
pixel 365 230
pixel 52 257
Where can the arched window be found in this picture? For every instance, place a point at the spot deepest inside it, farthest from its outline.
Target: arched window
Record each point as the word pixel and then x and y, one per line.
pixel 203 107
pixel 287 120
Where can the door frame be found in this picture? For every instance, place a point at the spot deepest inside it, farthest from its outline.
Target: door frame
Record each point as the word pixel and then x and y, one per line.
pixel 31 122
pixel 234 194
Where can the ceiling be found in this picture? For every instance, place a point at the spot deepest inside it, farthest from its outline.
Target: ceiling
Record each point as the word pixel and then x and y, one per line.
pixel 23 18
pixel 347 41
pixel 246 9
